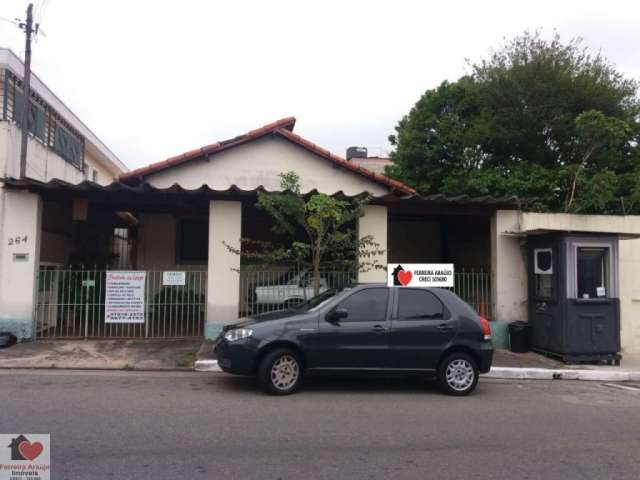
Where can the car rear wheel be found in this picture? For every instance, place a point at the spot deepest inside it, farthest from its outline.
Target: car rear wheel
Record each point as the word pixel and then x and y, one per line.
pixel 458 374
pixel 280 372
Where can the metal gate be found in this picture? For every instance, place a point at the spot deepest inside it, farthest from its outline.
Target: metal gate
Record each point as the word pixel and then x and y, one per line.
pixel 71 303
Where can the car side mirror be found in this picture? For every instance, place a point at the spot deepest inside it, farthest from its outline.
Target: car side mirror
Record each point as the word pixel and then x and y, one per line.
pixel 334 316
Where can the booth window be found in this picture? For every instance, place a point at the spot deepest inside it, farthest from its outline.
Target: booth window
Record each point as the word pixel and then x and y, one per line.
pixel 193 240
pixel 592 272
pixel 543 269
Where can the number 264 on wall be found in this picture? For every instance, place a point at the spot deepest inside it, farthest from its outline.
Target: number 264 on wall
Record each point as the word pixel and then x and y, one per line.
pixel 17 240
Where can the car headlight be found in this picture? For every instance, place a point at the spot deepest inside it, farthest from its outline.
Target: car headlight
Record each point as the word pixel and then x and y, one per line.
pixel 238 334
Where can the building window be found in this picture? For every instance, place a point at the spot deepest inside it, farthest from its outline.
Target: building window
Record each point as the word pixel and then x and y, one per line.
pixel 43 122
pixel 192 244
pixel 592 268
pixel 94 176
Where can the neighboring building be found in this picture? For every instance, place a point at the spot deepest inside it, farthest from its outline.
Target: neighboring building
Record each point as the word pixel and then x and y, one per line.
pixel 60 147
pixel 360 156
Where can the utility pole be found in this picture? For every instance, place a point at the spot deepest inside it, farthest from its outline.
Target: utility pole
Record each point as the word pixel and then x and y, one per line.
pixel 26 87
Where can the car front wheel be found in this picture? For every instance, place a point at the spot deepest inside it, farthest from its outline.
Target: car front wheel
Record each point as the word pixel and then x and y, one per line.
pixel 280 372
pixel 458 374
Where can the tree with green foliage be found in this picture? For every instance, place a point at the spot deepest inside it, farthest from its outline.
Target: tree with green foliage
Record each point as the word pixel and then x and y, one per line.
pixel 542 120
pixel 316 231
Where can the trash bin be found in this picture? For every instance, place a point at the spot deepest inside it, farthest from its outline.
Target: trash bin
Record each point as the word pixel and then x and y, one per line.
pixel 520 336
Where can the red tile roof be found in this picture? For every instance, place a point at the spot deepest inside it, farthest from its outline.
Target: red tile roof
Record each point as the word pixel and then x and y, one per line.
pixel 283 128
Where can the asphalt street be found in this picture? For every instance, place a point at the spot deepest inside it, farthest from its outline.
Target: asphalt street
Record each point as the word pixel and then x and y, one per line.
pixel 137 425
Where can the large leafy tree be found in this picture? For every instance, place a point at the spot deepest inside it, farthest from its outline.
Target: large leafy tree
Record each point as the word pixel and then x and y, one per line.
pixel 540 119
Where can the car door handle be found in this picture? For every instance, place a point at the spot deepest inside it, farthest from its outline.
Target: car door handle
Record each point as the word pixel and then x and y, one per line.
pixel 378 329
pixel 444 328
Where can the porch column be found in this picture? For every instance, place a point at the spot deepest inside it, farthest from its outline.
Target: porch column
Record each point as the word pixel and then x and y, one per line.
pixel 374 223
pixel 508 268
pixel 20 230
pixel 223 280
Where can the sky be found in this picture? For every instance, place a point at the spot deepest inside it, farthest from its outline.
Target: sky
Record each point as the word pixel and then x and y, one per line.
pixel 156 78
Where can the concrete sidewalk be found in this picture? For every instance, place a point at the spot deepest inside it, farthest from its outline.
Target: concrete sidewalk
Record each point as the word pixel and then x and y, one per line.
pixel 532 366
pixel 196 354
pixel 174 354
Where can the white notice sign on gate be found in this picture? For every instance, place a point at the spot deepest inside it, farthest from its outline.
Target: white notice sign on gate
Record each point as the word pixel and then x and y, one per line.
pixel 124 302
pixel 174 278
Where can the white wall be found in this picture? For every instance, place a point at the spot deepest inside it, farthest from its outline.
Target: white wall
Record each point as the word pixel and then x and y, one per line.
pixel 630 295
pixel 570 222
pixel 374 223
pixel 508 268
pixel 20 216
pixel 258 163
pixel 223 283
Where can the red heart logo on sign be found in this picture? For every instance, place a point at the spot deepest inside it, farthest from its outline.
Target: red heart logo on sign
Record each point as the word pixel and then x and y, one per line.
pixel 30 451
pixel 405 277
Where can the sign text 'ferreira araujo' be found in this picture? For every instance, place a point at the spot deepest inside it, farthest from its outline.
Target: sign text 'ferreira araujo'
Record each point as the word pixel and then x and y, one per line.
pixel 420 275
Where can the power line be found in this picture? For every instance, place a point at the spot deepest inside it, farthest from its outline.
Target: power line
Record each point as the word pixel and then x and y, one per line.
pixel 14 22
pixel 40 11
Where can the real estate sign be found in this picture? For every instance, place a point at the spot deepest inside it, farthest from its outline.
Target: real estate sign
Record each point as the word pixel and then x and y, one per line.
pixel 124 302
pixel 420 275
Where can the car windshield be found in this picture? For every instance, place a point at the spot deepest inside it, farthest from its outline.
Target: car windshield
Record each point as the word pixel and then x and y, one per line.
pixel 317 300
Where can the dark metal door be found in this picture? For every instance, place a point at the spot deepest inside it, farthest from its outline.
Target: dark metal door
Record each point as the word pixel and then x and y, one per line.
pixel 545 308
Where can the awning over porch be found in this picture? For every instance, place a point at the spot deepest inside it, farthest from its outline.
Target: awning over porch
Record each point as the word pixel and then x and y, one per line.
pixel 123 195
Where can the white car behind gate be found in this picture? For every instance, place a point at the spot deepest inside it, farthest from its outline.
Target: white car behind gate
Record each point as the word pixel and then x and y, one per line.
pixel 288 292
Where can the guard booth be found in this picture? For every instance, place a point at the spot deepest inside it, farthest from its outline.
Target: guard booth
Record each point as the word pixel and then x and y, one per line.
pixel 574 306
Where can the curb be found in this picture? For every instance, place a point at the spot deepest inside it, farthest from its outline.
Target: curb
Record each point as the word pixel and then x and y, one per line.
pixel 95 369
pixel 207 366
pixel 510 373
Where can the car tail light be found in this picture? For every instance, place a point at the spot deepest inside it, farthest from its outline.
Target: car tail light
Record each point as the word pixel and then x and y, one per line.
pixel 486 328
